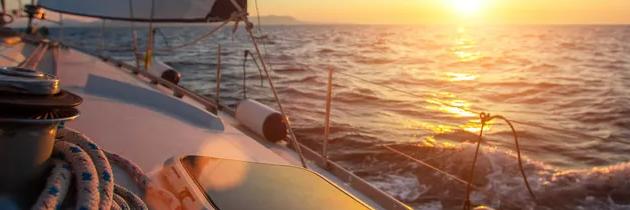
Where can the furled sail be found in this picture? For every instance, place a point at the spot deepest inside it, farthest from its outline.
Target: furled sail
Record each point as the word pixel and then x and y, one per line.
pixel 149 10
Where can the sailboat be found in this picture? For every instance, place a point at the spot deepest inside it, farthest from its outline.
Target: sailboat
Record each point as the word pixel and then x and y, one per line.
pixel 87 131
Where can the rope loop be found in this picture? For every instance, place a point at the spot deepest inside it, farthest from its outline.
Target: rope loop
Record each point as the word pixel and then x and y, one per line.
pixel 485 118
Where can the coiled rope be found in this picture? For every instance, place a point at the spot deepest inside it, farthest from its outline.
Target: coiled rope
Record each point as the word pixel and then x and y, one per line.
pixel 75 155
pixel 485 117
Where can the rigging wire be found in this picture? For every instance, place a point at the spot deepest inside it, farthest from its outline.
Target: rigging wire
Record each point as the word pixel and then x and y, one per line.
pixel 262 33
pixel 164 37
pixel 451 176
pixel 200 38
pixel 296 144
pixel 258 16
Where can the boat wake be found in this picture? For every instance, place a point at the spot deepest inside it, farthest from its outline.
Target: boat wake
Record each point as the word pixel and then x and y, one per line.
pixel 497 179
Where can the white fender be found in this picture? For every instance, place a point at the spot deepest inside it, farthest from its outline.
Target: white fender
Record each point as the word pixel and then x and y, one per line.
pixel 262 120
pixel 164 71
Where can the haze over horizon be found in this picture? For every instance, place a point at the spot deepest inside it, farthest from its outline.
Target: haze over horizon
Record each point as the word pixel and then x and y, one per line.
pixel 450 11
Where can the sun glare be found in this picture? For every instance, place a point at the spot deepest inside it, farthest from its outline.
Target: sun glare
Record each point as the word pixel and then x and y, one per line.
pixel 466 7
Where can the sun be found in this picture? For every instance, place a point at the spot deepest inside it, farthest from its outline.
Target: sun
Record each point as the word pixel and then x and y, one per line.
pixel 466 7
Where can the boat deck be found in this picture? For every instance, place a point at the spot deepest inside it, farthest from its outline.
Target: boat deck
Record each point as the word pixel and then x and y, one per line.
pixel 128 115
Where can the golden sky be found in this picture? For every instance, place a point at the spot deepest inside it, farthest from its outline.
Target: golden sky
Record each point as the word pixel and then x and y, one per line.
pixel 451 11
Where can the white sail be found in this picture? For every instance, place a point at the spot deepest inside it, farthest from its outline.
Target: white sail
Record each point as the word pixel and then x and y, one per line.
pixel 141 10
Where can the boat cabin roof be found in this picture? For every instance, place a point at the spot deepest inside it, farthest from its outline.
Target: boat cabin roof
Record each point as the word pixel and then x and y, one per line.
pixel 127 114
pixel 136 119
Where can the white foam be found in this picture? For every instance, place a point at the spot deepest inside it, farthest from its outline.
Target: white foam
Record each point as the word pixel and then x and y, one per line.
pixel 404 187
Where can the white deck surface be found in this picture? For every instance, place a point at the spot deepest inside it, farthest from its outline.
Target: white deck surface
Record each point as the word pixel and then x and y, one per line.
pixel 124 114
pixel 149 132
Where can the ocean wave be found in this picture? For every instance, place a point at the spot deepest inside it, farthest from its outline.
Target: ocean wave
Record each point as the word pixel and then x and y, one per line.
pixel 500 183
pixel 300 93
pixel 542 67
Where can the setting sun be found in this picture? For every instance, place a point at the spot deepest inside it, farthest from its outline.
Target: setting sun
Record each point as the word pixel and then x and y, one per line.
pixel 466 7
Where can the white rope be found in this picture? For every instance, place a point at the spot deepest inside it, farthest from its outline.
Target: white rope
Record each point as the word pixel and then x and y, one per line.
pixel 94 179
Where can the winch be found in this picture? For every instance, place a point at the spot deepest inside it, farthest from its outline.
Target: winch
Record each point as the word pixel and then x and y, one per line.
pixel 32 108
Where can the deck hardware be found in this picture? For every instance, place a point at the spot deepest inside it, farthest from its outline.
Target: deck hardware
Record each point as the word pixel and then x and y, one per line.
pixel 27 132
pixel 178 94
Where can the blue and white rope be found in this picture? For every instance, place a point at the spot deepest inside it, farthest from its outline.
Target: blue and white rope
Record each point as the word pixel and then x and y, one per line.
pixel 56 187
pixel 84 171
pixel 131 199
pixel 120 203
pixel 94 179
pixel 103 168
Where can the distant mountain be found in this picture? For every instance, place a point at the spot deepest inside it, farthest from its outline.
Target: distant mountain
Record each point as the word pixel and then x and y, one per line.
pixel 277 20
pixel 264 20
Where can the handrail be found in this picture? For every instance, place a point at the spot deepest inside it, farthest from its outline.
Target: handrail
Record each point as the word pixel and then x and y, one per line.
pixel 33 60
